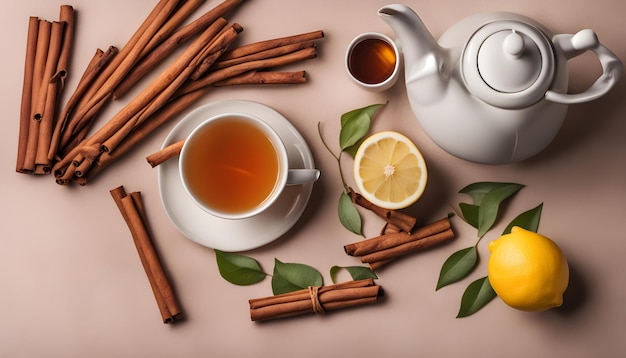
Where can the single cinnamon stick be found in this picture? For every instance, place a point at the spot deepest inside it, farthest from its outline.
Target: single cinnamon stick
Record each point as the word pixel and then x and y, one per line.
pixel 27 92
pixel 46 127
pixel 41 55
pixel 264 77
pixel 319 300
pixel 43 44
pixel 131 208
pixel 389 240
pixel 408 247
pixel 66 17
pixel 404 221
pixel 165 154
pixel 170 44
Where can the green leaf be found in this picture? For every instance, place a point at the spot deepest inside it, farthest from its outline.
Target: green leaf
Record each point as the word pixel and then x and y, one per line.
pixel 490 204
pixel 478 190
pixel 354 126
pixel 476 296
pixel 470 213
pixel 290 277
pixel 348 214
pixel 356 272
pixel 528 220
pixel 239 269
pixel 458 266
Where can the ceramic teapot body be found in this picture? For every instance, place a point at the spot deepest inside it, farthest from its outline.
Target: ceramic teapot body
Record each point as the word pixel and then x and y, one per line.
pixel 493 89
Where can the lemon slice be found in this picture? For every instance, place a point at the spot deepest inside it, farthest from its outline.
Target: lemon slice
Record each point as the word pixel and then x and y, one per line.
pixel 389 170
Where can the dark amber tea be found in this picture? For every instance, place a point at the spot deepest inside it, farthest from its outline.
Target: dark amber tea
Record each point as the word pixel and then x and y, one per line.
pixel 230 165
pixel 372 61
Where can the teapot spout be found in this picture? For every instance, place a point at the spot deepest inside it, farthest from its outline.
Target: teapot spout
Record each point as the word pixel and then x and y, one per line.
pixel 426 72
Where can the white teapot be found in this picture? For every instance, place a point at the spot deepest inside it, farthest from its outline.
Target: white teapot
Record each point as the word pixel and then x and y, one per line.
pixel 493 89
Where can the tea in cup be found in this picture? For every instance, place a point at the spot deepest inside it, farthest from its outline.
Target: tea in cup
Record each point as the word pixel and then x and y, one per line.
pixel 373 61
pixel 235 166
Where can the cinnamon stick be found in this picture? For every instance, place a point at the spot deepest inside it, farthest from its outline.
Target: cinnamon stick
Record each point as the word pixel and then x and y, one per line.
pixel 43 44
pixel 271 44
pixel 54 50
pixel 66 16
pixel 408 247
pixel 165 154
pixel 264 77
pixel 393 243
pixel 403 221
pixel 389 240
pixel 260 55
pixel 27 92
pixel 133 212
pixel 315 300
pixel 46 126
pixel 41 55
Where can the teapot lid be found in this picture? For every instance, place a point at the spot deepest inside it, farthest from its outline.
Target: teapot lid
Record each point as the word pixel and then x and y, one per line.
pixel 508 64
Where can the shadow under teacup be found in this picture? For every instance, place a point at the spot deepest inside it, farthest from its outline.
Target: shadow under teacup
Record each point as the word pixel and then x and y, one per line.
pixel 235 166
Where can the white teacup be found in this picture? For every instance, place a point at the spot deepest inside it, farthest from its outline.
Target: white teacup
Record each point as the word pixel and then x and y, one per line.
pixel 235 166
pixel 373 61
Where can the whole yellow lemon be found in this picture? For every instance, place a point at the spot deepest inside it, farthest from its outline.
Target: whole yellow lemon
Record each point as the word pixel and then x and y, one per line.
pixel 527 270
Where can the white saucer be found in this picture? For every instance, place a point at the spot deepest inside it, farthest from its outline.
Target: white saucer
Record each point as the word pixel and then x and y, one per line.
pixel 244 234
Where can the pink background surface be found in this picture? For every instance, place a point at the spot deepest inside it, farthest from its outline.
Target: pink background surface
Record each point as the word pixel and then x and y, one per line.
pixel 72 284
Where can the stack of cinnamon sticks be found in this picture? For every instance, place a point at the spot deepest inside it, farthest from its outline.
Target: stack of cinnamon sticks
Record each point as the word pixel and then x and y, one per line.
pixel 399 236
pixel 48 50
pixel 133 212
pixel 78 155
pixel 315 300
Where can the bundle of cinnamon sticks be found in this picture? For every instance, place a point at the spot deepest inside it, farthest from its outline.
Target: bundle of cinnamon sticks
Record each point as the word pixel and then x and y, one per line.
pixel 399 236
pixel 315 300
pixel 206 63
pixel 48 50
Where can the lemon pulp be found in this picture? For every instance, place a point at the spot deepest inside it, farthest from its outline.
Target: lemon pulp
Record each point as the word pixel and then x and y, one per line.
pixel 389 170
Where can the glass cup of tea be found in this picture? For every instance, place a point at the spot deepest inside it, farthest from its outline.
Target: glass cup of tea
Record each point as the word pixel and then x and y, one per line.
pixel 373 61
pixel 235 166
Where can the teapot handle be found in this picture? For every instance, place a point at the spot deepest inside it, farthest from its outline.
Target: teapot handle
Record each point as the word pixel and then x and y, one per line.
pixel 612 67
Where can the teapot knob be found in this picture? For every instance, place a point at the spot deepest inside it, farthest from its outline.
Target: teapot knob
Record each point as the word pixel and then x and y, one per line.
pixel 513 44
